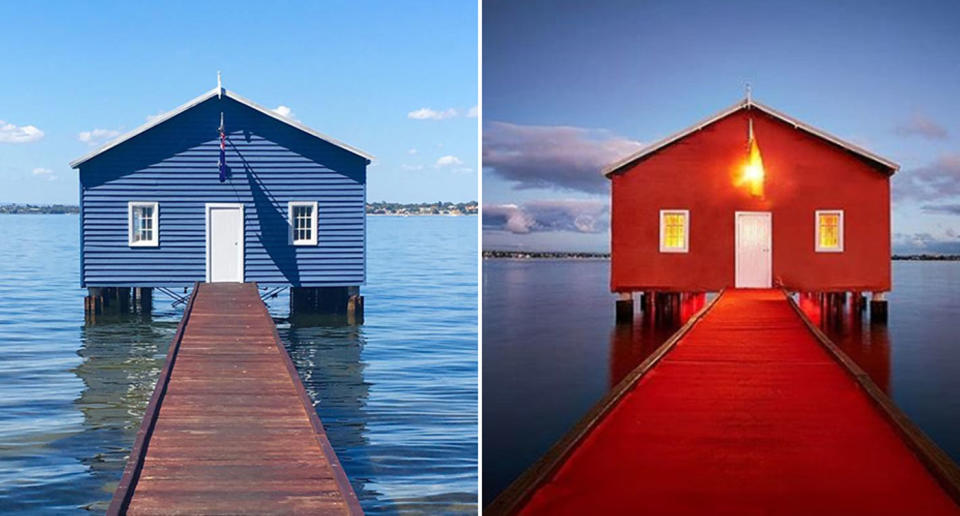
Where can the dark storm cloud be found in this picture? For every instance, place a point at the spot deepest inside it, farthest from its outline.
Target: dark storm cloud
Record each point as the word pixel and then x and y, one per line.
pixel 923 126
pixel 938 180
pixel 581 216
pixel 559 157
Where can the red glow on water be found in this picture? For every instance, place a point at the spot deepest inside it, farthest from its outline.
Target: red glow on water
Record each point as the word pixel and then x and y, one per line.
pixel 850 329
pixel 632 344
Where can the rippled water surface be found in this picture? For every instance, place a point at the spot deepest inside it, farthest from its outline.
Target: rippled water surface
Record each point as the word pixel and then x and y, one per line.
pixel 551 350
pixel 398 395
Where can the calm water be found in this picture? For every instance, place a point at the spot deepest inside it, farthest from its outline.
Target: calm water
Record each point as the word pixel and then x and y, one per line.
pixel 551 350
pixel 398 395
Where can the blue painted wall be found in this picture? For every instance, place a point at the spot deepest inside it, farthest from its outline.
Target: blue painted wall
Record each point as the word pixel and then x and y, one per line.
pixel 270 164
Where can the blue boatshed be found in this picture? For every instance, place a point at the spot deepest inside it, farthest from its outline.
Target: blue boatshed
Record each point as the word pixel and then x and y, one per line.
pixel 287 208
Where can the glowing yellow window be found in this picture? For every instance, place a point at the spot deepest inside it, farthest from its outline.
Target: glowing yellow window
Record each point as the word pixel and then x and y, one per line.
pixel 829 238
pixel 674 231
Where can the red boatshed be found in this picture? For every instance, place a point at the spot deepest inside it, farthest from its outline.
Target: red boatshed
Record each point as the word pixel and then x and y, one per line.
pixel 751 198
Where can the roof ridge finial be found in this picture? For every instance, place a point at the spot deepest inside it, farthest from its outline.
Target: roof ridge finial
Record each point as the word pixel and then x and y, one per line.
pixel 749 99
pixel 219 85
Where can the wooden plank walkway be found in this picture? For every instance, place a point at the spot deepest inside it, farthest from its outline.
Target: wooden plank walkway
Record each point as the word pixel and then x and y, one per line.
pixel 746 411
pixel 230 429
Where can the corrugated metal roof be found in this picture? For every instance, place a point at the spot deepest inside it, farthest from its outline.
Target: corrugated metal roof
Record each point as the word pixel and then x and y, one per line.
pixel 225 93
pixel 749 104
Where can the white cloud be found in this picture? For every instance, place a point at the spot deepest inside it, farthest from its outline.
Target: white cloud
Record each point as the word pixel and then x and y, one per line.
pixel 430 114
pixel 151 118
pixel 412 151
pixel 472 112
pixel 97 136
pixel 10 133
pixel 557 157
pixel 922 125
pixel 576 215
pixel 285 111
pixel 44 172
pixel 447 161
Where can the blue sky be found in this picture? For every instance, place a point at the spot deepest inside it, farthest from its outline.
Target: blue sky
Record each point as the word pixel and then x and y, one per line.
pixel 570 86
pixel 395 79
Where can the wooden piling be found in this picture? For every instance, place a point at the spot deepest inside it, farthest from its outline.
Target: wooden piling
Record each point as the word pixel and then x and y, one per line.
pixel 355 309
pixel 117 300
pixel 624 312
pixel 878 307
pixel 306 302
pixel 144 300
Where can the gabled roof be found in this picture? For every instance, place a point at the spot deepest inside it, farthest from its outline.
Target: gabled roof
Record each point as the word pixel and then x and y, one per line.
pixel 749 104
pixel 206 96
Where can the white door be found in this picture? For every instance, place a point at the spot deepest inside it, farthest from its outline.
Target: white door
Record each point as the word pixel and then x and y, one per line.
pixel 754 261
pixel 224 242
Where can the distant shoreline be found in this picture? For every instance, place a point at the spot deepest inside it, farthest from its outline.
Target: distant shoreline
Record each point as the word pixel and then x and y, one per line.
pixel 542 255
pixel 567 255
pixel 449 209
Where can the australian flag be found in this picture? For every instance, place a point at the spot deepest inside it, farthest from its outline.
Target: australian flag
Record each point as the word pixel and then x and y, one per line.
pixel 222 164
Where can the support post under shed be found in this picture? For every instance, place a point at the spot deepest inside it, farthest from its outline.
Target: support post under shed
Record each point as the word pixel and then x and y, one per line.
pixel 624 308
pixel 117 300
pixel 878 307
pixel 327 301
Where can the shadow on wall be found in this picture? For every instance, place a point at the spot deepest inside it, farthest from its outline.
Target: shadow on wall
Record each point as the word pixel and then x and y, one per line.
pixel 273 234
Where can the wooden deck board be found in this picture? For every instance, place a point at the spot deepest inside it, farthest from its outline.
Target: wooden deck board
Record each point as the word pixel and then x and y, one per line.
pixel 232 431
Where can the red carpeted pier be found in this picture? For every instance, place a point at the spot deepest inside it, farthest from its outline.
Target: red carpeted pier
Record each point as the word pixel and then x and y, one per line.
pixel 747 414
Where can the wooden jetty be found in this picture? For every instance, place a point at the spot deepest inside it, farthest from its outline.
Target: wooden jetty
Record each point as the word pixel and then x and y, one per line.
pixel 230 428
pixel 747 409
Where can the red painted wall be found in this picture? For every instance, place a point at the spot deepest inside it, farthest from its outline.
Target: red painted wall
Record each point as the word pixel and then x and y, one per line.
pixel 803 174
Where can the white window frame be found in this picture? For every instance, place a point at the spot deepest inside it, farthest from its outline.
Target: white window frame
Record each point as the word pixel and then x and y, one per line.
pixel 291 223
pixel 816 232
pixel 686 232
pixel 155 242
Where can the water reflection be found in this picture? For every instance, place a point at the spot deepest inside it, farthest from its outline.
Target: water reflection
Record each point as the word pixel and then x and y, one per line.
pixel 122 357
pixel 632 344
pixel 850 329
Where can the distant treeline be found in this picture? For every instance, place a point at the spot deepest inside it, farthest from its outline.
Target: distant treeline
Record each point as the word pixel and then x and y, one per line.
pixel 386 208
pixel 35 208
pixel 423 208
pixel 928 257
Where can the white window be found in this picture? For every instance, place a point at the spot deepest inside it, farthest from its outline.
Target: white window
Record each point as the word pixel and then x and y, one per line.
pixel 674 231
pixel 829 231
pixel 142 227
pixel 303 222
